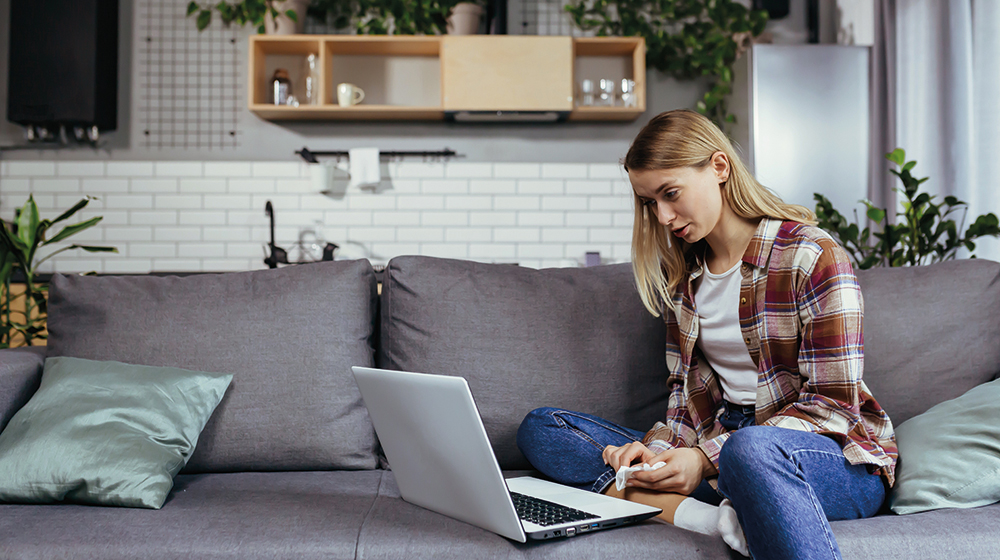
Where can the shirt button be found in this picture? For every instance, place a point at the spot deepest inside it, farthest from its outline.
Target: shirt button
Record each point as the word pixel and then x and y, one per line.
pixel 743 300
pixel 748 340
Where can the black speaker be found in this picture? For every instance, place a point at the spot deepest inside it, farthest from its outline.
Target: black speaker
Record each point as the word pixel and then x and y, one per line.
pixel 63 63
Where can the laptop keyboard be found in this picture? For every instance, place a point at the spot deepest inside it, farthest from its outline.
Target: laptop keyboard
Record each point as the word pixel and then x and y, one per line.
pixel 546 513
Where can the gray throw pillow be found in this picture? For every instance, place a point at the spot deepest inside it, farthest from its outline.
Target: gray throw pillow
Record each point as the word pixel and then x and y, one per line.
pixel 105 433
pixel 949 456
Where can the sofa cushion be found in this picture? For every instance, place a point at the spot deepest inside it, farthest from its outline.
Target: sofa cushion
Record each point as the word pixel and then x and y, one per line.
pixel 930 332
pixel 239 516
pixel 289 337
pixel 105 433
pixel 949 456
pixel 945 533
pixel 20 374
pixel 397 529
pixel 573 338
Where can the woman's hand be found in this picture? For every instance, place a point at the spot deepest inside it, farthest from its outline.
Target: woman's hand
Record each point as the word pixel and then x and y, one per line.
pixel 626 455
pixel 684 470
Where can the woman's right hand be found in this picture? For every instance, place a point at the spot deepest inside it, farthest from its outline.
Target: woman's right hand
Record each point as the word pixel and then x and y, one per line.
pixel 626 455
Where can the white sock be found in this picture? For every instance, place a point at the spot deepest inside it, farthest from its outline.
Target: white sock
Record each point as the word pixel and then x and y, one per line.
pixel 729 528
pixel 711 520
pixel 697 516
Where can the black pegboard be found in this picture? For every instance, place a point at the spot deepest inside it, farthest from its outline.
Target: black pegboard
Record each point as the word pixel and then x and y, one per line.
pixel 191 82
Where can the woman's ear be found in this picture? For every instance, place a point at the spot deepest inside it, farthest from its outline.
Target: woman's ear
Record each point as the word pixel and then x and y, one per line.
pixel 720 164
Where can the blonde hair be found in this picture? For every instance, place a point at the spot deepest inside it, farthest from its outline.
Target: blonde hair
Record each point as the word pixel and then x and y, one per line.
pixel 683 138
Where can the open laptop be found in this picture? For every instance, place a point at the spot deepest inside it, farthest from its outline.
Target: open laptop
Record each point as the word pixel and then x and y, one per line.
pixel 436 444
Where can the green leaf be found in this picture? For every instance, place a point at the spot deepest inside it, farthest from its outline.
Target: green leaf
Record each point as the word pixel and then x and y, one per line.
pixel 876 214
pixel 73 229
pixel 292 15
pixel 204 18
pixel 897 156
pixel 192 8
pixel 27 222
pixel 909 165
pixel 94 249
pixel 76 208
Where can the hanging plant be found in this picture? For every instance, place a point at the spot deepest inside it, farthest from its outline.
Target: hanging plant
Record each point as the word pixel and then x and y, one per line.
pixel 686 39
pixel 240 13
pixel 385 17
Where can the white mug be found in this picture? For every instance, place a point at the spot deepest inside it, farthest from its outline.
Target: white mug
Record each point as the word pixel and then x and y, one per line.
pixel 349 94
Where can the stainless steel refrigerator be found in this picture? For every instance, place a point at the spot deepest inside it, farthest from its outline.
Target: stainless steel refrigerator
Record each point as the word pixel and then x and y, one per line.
pixel 803 121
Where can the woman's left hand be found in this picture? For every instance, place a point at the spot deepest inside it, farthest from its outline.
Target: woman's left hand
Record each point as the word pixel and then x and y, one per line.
pixel 684 470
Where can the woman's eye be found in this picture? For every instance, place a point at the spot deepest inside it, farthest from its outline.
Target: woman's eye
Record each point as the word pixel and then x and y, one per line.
pixel 649 202
pixel 671 194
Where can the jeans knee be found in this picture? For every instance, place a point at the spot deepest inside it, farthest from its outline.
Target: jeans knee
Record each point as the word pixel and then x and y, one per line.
pixel 745 449
pixel 532 428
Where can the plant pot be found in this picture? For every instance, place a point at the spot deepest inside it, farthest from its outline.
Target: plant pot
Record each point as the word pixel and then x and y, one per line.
pixel 283 25
pixel 464 19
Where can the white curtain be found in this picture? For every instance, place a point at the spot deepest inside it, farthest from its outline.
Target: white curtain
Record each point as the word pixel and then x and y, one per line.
pixel 947 103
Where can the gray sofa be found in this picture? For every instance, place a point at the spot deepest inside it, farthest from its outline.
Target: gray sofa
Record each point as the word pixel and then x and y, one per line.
pixel 289 465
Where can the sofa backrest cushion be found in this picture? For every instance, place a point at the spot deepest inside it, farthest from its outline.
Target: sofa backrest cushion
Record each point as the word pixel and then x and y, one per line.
pixel 289 337
pixel 578 339
pixel 931 332
pixel 20 375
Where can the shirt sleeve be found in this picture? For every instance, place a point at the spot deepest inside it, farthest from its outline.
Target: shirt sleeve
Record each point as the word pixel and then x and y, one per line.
pixel 677 430
pixel 831 351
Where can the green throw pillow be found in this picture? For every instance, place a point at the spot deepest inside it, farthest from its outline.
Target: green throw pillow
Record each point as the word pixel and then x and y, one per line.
pixel 949 456
pixel 106 433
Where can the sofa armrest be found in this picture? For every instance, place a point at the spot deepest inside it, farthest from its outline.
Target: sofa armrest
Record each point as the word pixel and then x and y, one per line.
pixel 20 375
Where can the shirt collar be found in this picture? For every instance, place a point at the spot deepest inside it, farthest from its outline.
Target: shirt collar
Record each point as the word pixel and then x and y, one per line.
pixel 759 249
pixel 756 254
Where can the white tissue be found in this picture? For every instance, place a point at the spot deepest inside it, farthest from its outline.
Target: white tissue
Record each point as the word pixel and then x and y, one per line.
pixel 365 169
pixel 624 473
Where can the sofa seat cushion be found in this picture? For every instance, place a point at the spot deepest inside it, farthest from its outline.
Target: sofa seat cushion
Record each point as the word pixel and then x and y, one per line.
pixel 944 533
pixel 397 529
pixel 289 337
pixel 574 338
pixel 289 515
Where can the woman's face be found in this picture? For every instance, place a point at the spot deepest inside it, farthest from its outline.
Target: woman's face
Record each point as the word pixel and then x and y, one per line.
pixel 686 200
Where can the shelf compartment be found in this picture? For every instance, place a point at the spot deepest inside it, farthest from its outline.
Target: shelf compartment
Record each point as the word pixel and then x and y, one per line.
pixel 392 71
pixel 269 53
pixel 613 58
pixel 507 73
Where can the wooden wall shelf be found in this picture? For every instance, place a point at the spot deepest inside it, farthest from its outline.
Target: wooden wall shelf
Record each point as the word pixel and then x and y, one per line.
pixel 432 78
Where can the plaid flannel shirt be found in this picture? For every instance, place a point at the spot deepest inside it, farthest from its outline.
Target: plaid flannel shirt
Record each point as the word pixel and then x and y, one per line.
pixel 801 317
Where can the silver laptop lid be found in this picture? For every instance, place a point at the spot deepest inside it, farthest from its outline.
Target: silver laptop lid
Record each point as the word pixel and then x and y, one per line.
pixel 436 444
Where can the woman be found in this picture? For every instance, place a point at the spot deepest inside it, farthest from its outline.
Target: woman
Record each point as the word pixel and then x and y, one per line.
pixel 767 407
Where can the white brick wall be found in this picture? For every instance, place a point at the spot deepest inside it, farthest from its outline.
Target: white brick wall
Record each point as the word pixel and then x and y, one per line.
pixel 209 216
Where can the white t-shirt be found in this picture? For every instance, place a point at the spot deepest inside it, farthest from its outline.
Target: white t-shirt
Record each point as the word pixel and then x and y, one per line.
pixel 719 336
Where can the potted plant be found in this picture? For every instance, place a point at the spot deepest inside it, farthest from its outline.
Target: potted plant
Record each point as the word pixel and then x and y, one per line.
pixel 464 18
pixel 20 241
pixel 280 17
pixel 924 236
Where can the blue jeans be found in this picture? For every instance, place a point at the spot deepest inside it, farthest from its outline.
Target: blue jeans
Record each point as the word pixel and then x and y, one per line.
pixel 807 472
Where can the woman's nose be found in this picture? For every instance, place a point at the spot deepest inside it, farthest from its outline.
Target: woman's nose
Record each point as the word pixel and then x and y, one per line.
pixel 664 216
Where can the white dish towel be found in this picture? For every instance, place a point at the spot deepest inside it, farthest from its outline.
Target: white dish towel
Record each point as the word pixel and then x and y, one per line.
pixel 365 168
